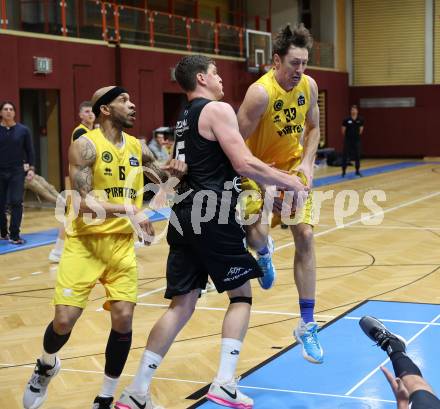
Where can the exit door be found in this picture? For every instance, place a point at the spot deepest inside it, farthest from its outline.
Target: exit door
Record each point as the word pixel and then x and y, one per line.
pixel 40 113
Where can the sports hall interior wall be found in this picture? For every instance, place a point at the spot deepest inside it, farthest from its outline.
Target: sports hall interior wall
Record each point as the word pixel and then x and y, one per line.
pixel 400 132
pixel 81 68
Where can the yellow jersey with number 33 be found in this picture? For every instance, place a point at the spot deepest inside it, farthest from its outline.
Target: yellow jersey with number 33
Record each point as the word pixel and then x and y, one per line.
pixel 277 138
pixel 117 178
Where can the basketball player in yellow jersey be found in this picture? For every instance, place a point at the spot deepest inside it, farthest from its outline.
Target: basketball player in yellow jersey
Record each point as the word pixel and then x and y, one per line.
pixel 87 117
pixel 278 112
pixel 106 172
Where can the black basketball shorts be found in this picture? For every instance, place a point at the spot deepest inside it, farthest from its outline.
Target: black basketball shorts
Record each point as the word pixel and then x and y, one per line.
pixel 218 251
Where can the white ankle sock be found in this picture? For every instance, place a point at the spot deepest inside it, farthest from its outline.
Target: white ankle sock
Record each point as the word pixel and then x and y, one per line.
pixel 229 355
pixel 49 359
pixel 147 366
pixel 59 246
pixel 108 387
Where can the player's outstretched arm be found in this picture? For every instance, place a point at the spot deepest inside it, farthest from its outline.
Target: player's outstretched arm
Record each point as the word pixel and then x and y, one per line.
pixel 252 109
pixel 219 122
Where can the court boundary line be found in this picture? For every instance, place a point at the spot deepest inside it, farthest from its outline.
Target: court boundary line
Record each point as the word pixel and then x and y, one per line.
pixel 204 382
pixel 363 218
pixel 371 373
pixel 296 314
pixel 202 392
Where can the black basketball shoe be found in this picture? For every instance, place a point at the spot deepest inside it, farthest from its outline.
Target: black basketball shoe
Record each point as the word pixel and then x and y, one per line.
pixel 102 403
pixel 376 331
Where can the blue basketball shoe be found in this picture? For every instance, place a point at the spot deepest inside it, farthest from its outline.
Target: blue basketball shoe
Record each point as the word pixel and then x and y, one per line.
pixel 266 265
pixel 307 335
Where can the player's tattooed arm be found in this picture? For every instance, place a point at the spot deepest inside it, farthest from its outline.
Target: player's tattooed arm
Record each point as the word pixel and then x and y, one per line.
pixel 82 156
pixel 154 172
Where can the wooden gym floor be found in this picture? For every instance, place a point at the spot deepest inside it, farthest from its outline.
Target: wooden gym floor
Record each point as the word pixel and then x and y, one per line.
pixel 398 259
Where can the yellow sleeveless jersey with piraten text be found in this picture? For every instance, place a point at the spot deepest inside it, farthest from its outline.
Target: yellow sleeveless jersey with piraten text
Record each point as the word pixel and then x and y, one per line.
pixel 82 127
pixel 277 138
pixel 117 179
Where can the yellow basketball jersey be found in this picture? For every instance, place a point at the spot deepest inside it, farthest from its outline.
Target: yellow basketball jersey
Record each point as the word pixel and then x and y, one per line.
pixel 277 138
pixel 117 178
pixel 75 135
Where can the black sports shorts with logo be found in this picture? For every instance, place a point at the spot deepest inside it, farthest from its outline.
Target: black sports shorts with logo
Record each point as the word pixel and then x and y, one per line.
pixel 218 251
pixel 424 400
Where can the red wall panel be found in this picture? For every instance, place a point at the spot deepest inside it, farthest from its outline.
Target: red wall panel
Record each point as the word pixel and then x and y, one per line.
pixel 401 132
pixel 79 69
pixel 336 86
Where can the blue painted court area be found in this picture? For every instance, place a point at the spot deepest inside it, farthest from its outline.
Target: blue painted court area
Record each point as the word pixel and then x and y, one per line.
pixel 45 237
pixel 40 238
pixel 331 180
pixel 350 377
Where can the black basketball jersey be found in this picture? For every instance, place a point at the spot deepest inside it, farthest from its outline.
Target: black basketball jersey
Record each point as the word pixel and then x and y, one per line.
pixel 209 169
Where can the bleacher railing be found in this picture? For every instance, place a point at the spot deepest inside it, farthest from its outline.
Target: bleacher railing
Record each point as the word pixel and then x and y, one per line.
pixel 116 23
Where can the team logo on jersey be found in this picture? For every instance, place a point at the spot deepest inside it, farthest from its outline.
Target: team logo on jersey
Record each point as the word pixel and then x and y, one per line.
pixel 276 119
pixel 237 184
pixel 301 100
pixel 133 160
pixel 107 156
pixel 181 127
pixel 107 172
pixel 278 104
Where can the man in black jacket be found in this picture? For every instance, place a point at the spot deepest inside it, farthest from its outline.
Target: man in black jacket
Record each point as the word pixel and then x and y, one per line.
pixel 15 145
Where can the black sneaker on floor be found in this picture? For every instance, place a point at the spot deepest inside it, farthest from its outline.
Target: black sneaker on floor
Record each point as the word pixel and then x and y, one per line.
pixel 17 240
pixel 359 174
pixel 4 236
pixel 102 403
pixel 385 339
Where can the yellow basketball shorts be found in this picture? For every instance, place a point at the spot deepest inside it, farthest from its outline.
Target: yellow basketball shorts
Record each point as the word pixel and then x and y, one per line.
pixel 109 258
pixel 253 205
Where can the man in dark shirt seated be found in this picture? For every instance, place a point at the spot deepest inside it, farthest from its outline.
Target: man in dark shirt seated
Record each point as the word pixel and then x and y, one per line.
pixel 15 144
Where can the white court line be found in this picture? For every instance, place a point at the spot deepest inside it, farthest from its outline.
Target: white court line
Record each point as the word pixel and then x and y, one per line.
pixel 14 278
pixel 397 228
pixel 141 296
pixel 206 383
pixel 14 366
pixel 330 395
pixel 363 380
pixel 35 273
pixel 151 292
pixel 294 314
pixel 361 219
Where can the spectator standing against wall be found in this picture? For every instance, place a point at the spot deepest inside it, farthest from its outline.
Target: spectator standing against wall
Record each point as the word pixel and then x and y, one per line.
pixel 158 145
pixel 15 146
pixel 352 128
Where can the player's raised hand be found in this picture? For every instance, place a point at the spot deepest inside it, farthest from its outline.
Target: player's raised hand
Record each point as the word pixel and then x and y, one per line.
pixel 176 168
pixel 399 389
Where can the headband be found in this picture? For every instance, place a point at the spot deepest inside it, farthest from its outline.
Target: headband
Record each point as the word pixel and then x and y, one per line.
pixel 105 99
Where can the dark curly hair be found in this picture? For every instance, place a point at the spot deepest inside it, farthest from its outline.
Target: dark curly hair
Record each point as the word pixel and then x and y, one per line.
pixel 300 37
pixel 188 68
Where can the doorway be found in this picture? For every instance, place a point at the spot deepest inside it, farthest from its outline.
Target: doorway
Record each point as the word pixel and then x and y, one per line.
pixel 172 105
pixel 39 110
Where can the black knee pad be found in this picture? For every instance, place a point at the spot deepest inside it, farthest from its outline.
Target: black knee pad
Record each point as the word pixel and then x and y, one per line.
pixel 116 353
pixel 247 300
